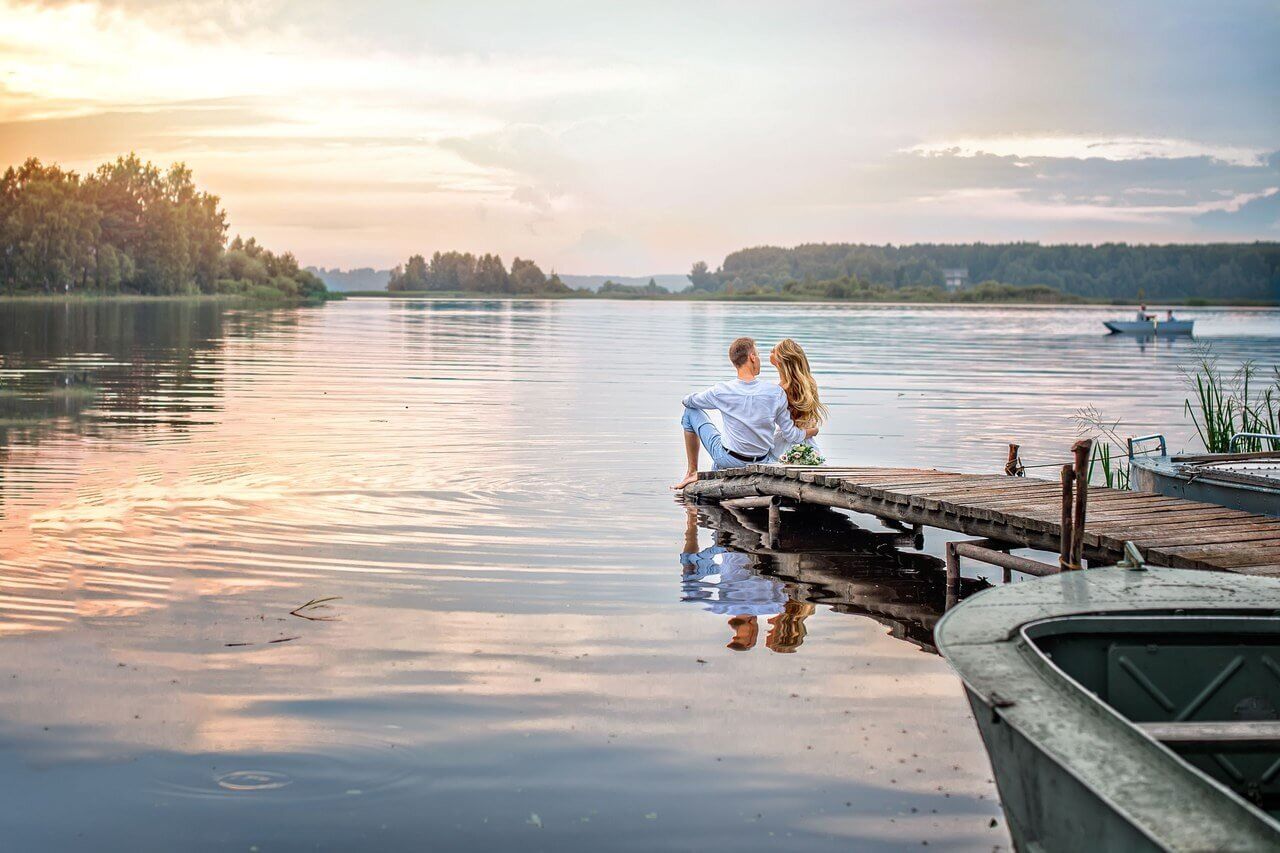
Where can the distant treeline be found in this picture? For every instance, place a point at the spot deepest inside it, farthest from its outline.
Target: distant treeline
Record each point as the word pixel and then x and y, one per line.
pixel 131 228
pixel 651 289
pixel 468 273
pixel 362 278
pixel 1228 271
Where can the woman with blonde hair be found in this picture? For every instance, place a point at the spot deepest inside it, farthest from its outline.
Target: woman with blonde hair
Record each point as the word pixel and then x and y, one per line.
pixel 801 389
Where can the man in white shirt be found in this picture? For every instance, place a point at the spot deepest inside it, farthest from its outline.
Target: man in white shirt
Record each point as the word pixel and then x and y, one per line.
pixel 752 411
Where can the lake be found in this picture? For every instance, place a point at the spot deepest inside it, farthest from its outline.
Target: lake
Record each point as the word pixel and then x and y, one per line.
pixel 398 574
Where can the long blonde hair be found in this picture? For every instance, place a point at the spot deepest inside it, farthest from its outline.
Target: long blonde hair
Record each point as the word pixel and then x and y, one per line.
pixel 797 381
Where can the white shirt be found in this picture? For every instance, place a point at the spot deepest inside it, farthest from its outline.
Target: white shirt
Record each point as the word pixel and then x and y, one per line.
pixel 737 591
pixel 752 412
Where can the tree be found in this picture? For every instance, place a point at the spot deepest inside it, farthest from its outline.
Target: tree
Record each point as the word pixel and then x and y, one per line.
pixel 129 226
pixel 412 276
pixel 527 277
pixel 701 278
pixel 491 276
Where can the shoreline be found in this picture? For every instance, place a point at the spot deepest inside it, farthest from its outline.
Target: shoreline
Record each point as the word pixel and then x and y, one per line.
pixel 759 299
pixel 85 298
pixel 785 298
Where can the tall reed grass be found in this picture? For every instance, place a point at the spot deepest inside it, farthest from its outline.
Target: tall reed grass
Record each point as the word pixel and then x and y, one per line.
pixel 1224 405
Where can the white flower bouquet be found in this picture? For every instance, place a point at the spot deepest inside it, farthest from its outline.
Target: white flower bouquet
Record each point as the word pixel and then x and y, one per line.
pixel 802 454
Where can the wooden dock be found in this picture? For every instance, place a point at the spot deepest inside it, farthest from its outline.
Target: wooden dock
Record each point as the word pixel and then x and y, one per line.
pixel 1020 511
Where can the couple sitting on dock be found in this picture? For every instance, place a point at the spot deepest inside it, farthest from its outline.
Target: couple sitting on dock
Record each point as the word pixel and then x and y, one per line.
pixel 763 421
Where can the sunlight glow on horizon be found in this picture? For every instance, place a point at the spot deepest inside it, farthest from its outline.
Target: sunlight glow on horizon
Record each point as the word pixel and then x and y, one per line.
pixel 639 144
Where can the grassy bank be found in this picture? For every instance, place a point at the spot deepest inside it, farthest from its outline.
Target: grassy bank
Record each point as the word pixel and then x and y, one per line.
pixel 273 298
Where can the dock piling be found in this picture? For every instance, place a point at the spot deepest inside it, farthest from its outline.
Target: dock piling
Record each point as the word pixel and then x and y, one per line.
pixel 1081 450
pixel 1068 511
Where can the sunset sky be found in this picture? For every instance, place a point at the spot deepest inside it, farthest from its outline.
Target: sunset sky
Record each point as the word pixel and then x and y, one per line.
pixel 638 138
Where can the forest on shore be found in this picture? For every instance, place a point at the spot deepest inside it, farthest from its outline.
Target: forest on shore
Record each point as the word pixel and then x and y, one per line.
pixel 131 228
pixel 1016 272
pixel 463 272
pixel 1219 272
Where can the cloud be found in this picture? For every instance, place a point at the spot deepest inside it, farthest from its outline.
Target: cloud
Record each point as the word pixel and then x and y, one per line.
pixel 1257 216
pixel 1088 147
pixel 662 133
pixel 522 149
pixel 103 135
pixel 539 200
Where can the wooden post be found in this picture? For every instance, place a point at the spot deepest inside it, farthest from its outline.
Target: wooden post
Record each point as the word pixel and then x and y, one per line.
pixel 775 525
pixel 917 536
pixel 1013 467
pixel 1064 542
pixel 953 576
pixel 1082 450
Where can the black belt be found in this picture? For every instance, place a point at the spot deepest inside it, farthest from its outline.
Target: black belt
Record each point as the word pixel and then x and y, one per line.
pixel 737 455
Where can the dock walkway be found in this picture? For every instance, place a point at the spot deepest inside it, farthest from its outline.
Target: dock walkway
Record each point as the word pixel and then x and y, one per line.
pixel 1022 511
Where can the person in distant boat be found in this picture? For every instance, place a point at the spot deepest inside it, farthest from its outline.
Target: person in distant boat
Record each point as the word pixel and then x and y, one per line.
pixel 755 414
pixel 1143 316
pixel 797 382
pixel 1168 316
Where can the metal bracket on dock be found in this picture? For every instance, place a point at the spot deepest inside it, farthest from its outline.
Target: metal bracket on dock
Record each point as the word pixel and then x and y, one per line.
pixel 1132 559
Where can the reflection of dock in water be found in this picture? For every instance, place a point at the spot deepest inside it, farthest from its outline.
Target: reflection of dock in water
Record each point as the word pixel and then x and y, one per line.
pixel 823 557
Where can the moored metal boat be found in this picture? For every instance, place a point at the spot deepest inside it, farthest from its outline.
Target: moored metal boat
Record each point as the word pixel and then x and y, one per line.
pixel 1243 481
pixel 1150 327
pixel 1128 709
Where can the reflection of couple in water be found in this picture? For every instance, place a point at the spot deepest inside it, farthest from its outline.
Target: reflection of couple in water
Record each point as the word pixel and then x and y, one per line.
pixel 722 582
pixel 762 420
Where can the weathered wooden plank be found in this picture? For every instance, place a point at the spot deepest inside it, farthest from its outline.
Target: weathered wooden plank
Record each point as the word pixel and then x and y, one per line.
pixel 1147 537
pixel 1183 519
pixel 1218 556
pixel 1203 536
pixel 1170 531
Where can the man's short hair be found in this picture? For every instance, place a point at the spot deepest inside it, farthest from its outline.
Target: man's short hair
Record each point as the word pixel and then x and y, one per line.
pixel 740 350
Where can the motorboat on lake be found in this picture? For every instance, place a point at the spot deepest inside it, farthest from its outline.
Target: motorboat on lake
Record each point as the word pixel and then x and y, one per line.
pixel 1127 708
pixel 1245 481
pixel 1150 326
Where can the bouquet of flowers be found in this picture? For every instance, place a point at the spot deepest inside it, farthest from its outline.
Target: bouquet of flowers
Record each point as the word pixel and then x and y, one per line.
pixel 802 454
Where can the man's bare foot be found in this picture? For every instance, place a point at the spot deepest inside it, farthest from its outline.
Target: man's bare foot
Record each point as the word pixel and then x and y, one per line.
pixel 691 477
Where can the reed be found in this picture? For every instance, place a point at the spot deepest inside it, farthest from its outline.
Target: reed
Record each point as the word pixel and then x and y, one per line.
pixel 1109 457
pixel 1112 464
pixel 1221 406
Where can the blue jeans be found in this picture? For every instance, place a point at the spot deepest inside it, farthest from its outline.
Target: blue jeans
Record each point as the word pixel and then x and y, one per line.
pixel 697 422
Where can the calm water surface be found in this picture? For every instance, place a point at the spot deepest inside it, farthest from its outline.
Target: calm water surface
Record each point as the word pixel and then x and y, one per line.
pixel 526 641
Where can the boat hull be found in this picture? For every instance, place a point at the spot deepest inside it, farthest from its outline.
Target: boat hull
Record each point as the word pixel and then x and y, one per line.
pixel 1045 806
pixel 1160 475
pixel 1049 669
pixel 1151 327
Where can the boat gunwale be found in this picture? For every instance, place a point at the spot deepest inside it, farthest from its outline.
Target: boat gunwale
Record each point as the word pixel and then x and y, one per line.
pixel 1175 468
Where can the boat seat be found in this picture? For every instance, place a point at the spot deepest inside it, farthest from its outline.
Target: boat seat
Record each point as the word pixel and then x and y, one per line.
pixel 1237 733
